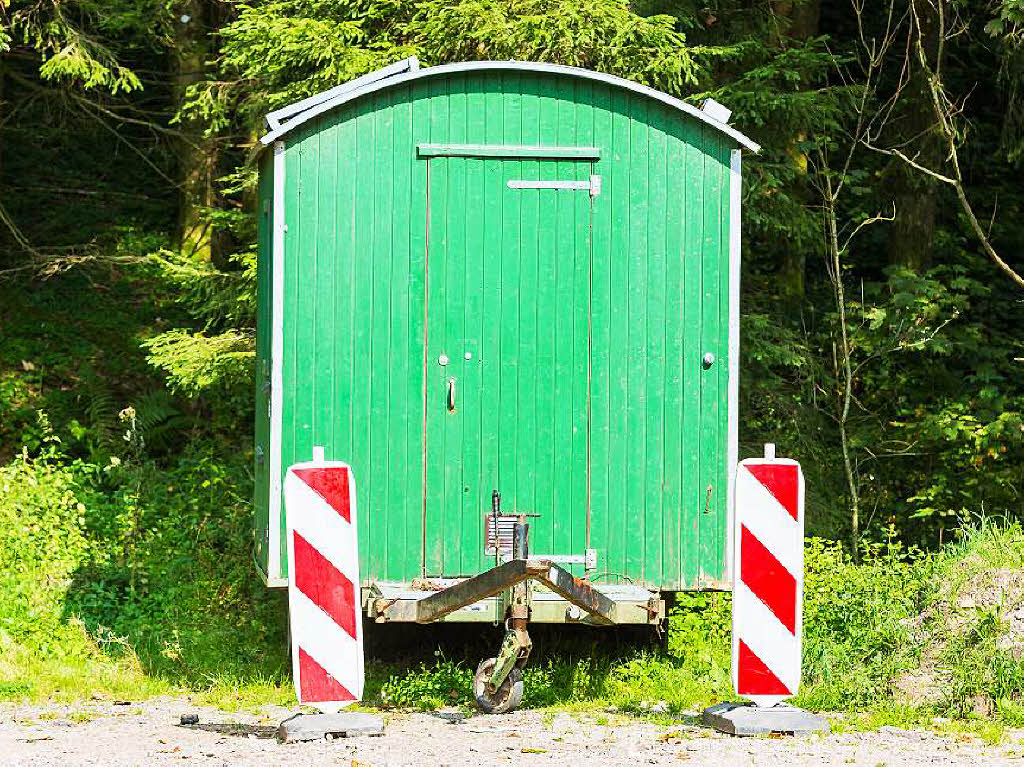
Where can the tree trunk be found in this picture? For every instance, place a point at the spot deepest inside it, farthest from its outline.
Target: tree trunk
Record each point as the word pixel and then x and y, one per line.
pixel 197 155
pixel 915 195
pixel 3 108
pixel 795 21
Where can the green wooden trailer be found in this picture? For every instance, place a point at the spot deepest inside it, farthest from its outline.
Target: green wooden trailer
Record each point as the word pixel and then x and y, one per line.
pixel 511 277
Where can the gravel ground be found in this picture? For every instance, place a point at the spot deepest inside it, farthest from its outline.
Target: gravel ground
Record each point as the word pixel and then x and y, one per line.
pixel 105 733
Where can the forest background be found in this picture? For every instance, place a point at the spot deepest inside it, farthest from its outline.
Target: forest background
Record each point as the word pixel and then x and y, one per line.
pixel 882 304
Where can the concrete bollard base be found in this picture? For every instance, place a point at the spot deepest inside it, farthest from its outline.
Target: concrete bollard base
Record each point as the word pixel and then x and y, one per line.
pixel 318 726
pixel 748 719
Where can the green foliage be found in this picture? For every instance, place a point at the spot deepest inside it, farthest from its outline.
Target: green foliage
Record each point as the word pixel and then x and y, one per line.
pixel 278 52
pixel 44 541
pixel 856 639
pixel 195 362
pixel 76 41
pixel 135 566
pixel 605 35
pixel 444 683
pixel 699 633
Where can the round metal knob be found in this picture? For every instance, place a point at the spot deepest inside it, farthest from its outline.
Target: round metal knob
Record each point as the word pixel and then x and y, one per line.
pixel 709 359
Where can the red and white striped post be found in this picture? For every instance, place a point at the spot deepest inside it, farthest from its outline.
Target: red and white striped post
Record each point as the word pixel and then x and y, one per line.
pixel 323 584
pixel 768 578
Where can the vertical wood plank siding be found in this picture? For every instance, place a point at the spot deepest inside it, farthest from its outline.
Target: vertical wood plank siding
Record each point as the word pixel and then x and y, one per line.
pixel 264 314
pixel 644 296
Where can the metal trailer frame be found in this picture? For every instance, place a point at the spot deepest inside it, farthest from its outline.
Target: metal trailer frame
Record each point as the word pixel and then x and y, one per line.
pixel 511 591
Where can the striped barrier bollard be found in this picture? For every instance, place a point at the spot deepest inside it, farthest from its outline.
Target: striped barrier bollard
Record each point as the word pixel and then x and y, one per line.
pixel 323 584
pixel 768 569
pixel 767 601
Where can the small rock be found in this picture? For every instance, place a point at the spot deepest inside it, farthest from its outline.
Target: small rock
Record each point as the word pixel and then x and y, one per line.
pixel 187 719
pixel 661 707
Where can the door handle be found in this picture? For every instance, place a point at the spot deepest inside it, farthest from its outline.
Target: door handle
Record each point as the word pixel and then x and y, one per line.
pixel 451 394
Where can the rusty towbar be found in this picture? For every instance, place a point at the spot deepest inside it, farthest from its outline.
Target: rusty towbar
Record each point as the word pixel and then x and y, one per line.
pixel 501 578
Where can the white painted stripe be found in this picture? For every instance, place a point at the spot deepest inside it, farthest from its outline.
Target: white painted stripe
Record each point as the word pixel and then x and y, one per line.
pixel 769 522
pixel 327 643
pixel 767 638
pixel 274 569
pixel 735 203
pixel 325 530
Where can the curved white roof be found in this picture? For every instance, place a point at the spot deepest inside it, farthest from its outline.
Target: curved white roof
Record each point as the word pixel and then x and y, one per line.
pixel 281 121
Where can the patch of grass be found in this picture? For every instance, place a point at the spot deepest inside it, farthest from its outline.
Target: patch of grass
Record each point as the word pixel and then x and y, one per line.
pixel 134 585
pixel 856 633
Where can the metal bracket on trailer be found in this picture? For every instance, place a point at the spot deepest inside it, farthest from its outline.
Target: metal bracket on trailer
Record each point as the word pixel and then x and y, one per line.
pixel 498 682
pixel 499 579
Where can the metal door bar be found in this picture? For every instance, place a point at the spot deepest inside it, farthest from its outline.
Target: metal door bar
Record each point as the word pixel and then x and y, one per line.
pixel 593 185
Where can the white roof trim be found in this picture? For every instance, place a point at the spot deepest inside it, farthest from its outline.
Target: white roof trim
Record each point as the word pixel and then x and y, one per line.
pixel 280 116
pixel 408 69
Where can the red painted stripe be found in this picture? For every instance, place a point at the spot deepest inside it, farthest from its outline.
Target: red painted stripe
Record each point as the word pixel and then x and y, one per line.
pixel 315 684
pixel 782 481
pixel 331 484
pixel 755 678
pixel 325 585
pixel 768 579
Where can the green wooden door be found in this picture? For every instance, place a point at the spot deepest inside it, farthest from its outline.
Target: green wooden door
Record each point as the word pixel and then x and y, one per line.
pixel 508 353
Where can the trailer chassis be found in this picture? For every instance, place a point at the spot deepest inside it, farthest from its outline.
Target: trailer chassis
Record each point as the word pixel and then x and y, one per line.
pixel 497 684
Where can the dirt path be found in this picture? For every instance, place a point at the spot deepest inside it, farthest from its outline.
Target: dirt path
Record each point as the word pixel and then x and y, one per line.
pixel 102 733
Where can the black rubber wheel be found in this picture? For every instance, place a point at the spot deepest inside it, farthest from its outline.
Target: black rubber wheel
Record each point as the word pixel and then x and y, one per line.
pixel 506 698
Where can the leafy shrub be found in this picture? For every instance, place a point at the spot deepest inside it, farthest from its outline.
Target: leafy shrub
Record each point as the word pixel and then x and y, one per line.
pixel 856 635
pixel 445 683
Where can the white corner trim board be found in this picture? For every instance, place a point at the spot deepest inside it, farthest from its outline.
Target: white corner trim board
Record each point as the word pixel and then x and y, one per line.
pixel 735 251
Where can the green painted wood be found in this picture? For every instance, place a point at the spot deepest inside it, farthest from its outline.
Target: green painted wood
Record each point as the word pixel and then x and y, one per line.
pixel 710 323
pixel 403 414
pixel 693 238
pixel 506 150
pixel 600 357
pixel 264 329
pixel 720 566
pixel 415 436
pixel 619 456
pixel 490 324
pixel 637 487
pixel 584 399
pixel 436 375
pixel 655 512
pixel 675 210
pixel 359 377
pixel 472 500
pixel 546 266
